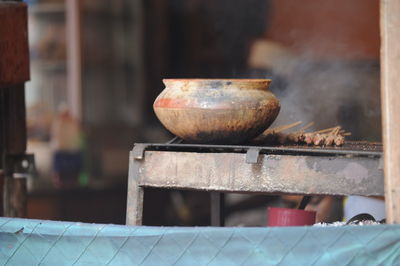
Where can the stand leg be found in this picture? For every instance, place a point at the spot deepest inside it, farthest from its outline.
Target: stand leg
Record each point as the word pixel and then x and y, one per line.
pixel 134 208
pixel 217 209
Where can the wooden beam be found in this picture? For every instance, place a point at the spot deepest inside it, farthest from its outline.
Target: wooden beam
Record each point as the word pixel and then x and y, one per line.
pixel 390 97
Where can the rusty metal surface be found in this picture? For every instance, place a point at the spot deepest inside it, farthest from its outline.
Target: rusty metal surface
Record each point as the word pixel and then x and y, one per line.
pixel 14 51
pixel 273 173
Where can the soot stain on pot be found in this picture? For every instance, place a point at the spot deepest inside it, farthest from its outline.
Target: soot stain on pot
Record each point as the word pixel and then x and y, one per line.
pixel 228 136
pixel 218 137
pixel 216 84
pixel 213 98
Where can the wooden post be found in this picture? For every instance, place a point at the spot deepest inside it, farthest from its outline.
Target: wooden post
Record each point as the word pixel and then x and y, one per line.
pixel 14 49
pixel 390 97
pixel 15 197
pixel 14 116
pixel 14 71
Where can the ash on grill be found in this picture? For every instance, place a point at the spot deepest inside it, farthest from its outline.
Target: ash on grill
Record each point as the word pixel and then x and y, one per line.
pixel 334 136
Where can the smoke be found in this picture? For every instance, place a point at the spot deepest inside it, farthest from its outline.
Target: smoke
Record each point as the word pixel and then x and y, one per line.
pixel 331 70
pixel 330 92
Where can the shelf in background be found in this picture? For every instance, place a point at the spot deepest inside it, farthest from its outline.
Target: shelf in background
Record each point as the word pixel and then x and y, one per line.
pixel 49 65
pixel 49 8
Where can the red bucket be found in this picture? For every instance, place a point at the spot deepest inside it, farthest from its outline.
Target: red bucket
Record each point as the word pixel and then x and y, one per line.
pixel 290 217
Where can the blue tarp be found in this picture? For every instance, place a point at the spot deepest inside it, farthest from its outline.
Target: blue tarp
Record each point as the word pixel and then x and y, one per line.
pixel 34 242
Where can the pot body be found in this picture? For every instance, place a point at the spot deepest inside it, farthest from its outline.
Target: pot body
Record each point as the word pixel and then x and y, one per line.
pixel 228 111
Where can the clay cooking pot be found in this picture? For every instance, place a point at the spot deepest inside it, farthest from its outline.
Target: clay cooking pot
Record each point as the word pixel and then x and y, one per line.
pixel 224 111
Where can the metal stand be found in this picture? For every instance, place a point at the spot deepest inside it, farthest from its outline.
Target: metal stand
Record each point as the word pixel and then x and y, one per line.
pixel 217 209
pixel 220 169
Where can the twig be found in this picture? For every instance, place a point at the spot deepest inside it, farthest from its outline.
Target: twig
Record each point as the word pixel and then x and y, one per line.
pixel 325 130
pixel 306 126
pixel 281 128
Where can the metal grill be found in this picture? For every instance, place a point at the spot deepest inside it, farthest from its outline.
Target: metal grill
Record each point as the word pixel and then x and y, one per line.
pixel 351 148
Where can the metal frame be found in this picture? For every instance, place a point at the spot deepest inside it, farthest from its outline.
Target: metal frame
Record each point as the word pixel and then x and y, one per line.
pixel 234 169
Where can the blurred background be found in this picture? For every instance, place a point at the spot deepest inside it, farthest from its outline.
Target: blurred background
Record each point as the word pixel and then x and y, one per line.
pixel 98 65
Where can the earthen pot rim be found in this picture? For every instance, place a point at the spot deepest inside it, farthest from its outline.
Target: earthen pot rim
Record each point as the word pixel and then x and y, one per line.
pixel 198 83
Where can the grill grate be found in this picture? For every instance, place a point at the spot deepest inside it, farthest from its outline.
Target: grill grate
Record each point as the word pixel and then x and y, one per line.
pixel 361 148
